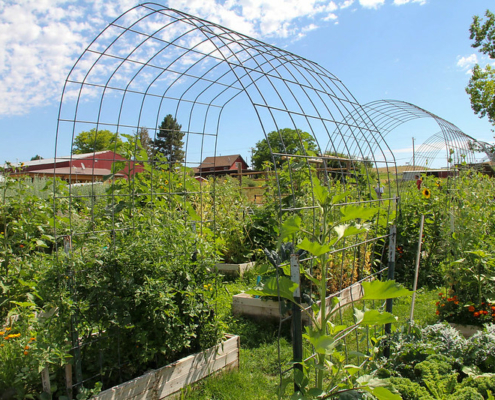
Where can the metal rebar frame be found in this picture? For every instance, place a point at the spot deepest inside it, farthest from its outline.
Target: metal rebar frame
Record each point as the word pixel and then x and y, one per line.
pixel 387 115
pixel 152 61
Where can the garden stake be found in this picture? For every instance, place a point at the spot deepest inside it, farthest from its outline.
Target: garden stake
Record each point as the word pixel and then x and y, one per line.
pixel 391 276
pixel 297 345
pixel 418 257
pixel 74 323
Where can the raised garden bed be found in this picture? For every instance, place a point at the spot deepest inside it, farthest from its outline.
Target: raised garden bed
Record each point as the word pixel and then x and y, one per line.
pixel 245 304
pixel 466 330
pixel 234 269
pixel 167 381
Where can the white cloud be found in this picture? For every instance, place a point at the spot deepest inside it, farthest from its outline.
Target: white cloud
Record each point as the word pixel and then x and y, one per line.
pixel 330 16
pixel 40 40
pixel 402 2
pixel 372 3
pixel 467 62
pixel 346 3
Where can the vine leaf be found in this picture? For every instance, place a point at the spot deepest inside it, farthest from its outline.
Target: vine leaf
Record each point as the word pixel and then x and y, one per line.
pixel 378 290
pixel 353 212
pixel 290 226
pixel 286 287
pixel 374 317
pixel 348 230
pixel 314 248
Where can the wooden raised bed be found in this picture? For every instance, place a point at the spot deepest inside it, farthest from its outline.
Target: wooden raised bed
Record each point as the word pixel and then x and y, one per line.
pixel 234 269
pixel 167 381
pixel 245 304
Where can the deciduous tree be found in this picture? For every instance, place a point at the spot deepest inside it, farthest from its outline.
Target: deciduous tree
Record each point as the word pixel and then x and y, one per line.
pixel 481 87
pixel 287 141
pixel 93 140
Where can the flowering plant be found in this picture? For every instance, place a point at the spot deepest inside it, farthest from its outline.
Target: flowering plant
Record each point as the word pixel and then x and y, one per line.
pixel 451 309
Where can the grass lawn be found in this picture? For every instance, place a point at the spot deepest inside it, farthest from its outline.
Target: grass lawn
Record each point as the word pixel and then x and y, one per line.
pixel 258 375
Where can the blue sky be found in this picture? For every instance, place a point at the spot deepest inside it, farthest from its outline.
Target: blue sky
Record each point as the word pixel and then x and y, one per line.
pixel 417 51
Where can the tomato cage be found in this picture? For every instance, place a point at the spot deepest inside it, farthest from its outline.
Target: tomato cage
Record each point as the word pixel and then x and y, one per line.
pixel 183 102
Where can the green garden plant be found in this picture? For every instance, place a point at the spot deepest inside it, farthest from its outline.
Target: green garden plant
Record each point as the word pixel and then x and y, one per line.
pixel 333 375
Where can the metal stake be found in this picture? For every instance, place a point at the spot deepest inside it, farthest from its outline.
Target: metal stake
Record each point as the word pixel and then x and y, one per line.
pixel 297 347
pixel 391 276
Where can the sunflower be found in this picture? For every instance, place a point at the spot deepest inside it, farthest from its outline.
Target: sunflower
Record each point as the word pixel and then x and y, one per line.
pixel 426 192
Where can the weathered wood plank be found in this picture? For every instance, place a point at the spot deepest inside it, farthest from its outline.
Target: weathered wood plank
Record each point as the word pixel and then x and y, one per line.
pixel 245 304
pixel 169 380
pixel 234 269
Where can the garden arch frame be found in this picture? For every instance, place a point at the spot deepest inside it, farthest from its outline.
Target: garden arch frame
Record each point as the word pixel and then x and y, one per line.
pixel 152 61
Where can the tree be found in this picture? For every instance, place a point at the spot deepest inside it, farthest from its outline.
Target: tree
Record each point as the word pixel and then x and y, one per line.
pixel 481 87
pixel 169 140
pixel 92 141
pixel 146 142
pixel 36 157
pixel 287 141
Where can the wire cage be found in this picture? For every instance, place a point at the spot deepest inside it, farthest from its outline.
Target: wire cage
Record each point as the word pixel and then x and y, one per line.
pixel 159 74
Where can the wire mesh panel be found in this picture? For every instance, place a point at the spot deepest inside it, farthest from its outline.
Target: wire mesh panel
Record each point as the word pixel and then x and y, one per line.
pixel 173 93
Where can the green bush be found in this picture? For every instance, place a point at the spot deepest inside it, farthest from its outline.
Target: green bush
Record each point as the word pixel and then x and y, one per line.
pixel 410 390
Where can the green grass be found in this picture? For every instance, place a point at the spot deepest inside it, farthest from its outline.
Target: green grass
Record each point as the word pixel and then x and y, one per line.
pixel 258 375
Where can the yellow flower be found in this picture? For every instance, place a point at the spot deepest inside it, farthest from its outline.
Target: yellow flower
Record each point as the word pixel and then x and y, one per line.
pixel 166 182
pixel 2 333
pixel 426 193
pixel 8 329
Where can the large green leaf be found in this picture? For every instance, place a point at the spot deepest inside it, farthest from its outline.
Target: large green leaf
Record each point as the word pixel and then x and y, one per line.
pixel 382 393
pixel 348 230
pixel 378 290
pixel 375 317
pixel 323 344
pixel 286 287
pixel 290 226
pixel 314 248
pixel 321 192
pixel 339 197
pixel 353 212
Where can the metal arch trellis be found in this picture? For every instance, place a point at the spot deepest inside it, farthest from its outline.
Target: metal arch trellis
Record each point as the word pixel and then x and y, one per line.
pixel 153 60
pixel 387 115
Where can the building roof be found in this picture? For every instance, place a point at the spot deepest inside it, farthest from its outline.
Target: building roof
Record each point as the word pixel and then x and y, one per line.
pixel 75 171
pixel 58 159
pixel 220 161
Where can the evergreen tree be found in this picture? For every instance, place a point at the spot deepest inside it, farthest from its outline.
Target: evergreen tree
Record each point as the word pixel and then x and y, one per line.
pixel 169 140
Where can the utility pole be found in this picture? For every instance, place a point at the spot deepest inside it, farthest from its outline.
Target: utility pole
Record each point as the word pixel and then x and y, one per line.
pixel 251 161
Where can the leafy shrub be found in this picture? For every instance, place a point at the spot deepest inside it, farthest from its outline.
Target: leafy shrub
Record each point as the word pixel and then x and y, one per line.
pixel 481 349
pixel 147 292
pixel 410 390
pixel 410 349
pixel 481 383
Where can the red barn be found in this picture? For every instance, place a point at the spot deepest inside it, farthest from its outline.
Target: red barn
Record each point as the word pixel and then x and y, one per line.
pixel 77 168
pixel 222 165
